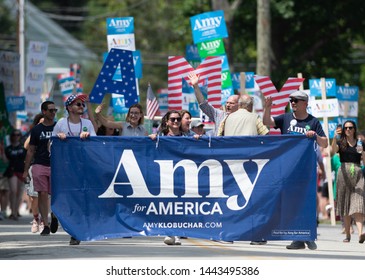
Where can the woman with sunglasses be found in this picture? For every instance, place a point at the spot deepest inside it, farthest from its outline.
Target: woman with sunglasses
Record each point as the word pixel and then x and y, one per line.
pixel 350 179
pixel 133 125
pixel 170 126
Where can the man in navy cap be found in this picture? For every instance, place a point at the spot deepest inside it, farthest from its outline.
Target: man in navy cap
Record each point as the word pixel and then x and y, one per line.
pixel 297 122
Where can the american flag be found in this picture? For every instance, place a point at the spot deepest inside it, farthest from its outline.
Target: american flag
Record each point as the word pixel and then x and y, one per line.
pixel 152 103
pixel 280 99
pixel 210 68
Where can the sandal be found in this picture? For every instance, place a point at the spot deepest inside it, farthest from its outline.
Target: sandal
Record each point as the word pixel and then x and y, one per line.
pixel 362 238
pixel 347 239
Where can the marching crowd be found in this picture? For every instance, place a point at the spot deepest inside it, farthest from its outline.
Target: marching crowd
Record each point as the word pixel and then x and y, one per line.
pixel 25 162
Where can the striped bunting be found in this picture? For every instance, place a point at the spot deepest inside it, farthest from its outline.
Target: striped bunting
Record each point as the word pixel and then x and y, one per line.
pixel 279 99
pixel 179 68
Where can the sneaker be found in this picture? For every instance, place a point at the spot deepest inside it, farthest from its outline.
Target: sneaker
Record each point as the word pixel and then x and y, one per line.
pixel 74 241
pixel 13 217
pixel 295 245
pixel 177 241
pixel 41 226
pixel 311 245
pixel 54 223
pixel 169 240
pixel 46 231
pixel 262 242
pixel 35 226
pixel 362 238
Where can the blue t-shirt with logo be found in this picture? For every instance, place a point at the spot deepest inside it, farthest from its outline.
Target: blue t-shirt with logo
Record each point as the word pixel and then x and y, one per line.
pixel 288 124
pixel 39 137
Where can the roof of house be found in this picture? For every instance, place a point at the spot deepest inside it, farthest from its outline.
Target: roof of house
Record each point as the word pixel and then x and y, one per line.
pixel 63 48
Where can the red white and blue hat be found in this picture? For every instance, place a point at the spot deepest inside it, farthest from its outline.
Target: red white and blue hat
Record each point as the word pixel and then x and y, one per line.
pixel 74 97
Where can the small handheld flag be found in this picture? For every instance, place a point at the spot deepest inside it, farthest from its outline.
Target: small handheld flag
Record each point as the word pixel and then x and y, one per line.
pixel 152 103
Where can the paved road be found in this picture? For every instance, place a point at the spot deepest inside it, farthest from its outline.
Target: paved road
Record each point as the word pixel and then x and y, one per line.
pixel 18 243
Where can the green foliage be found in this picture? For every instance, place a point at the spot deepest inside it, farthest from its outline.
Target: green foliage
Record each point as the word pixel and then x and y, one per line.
pixel 8 29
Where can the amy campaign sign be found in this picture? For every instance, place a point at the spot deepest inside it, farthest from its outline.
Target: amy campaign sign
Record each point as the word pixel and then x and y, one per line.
pixel 15 103
pixel 315 87
pixel 120 25
pixel 221 188
pixel 208 26
pixel 348 93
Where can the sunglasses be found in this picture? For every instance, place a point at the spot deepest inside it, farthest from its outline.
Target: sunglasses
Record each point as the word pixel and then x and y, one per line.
pixel 293 100
pixel 53 110
pixel 79 104
pixel 175 119
pixel 349 127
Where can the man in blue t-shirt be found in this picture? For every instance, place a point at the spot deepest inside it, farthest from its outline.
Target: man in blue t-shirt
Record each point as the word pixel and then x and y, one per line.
pixel 297 122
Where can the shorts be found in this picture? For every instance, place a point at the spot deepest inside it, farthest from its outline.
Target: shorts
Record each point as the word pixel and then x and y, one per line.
pixel 41 177
pixel 325 190
pixel 30 186
pixel 4 184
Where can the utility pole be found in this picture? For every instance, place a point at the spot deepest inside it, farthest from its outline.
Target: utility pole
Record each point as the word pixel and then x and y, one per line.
pixel 21 46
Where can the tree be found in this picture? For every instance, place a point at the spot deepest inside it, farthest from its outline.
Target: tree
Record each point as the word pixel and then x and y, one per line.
pixel 8 29
pixel 263 38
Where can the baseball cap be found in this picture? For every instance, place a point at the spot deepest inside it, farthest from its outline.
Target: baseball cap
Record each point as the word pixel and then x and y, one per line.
pixel 301 95
pixel 74 97
pixel 196 123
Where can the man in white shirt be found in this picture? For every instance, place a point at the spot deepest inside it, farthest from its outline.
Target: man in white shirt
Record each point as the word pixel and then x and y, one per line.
pixel 74 125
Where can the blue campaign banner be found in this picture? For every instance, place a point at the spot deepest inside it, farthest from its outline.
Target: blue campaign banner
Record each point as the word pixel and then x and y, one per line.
pixel 220 188
pixel 194 109
pixel 236 82
pixel 120 25
pixel 186 88
pixel 225 65
pixel 347 93
pixel 192 53
pixel 15 103
pixel 250 81
pixel 118 104
pixel 315 87
pixel 332 125
pixel 208 26
pixel 226 92
pixel 342 120
pixel 137 61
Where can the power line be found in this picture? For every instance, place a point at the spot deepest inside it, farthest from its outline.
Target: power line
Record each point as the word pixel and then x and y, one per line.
pixel 64 17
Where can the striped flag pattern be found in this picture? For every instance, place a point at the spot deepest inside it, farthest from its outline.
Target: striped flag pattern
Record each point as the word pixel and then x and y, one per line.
pixel 279 99
pixel 152 103
pixel 179 68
